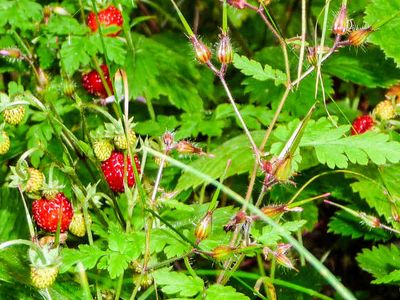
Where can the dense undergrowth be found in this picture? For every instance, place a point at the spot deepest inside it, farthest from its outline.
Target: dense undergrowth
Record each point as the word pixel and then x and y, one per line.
pixel 199 149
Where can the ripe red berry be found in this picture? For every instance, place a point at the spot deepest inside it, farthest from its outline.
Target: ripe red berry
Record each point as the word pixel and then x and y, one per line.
pixel 47 213
pixel 113 170
pixel 92 82
pixel 107 17
pixel 362 124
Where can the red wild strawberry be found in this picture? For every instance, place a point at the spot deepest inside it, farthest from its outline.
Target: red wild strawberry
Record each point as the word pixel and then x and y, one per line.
pixel 92 82
pixel 47 213
pixel 362 124
pixel 107 17
pixel 113 170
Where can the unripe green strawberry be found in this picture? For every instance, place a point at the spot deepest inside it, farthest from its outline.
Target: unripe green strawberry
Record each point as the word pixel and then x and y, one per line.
pixel 35 181
pixel 43 277
pixel 102 149
pixel 14 115
pixel 121 142
pixel 77 226
pixel 4 142
pixel 68 87
pixel 385 110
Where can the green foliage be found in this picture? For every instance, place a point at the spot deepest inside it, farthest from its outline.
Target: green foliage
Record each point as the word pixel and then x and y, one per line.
pixel 178 283
pixel 382 262
pixel 386 12
pixel 217 291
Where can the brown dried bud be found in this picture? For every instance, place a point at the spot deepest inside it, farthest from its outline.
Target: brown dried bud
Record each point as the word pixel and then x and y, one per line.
pixel 203 228
pixel 222 252
pixel 202 52
pixel 225 51
pixel 314 52
pixel 237 3
pixel 340 26
pixel 358 37
pixel 168 139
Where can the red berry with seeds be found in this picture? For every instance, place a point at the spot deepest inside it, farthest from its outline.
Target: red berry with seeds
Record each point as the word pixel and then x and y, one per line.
pixel 113 170
pixel 92 82
pixel 107 17
pixel 47 213
pixel 362 124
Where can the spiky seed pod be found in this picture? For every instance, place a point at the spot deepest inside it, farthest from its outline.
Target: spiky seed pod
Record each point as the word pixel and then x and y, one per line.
pixel 35 181
pixel 121 142
pixel 385 110
pixel 77 226
pixel 4 142
pixel 358 37
pixel 340 26
pixel 43 277
pixel 14 115
pixel 102 149
pixel 222 252
pixel 11 53
pixel 202 52
pixel 145 281
pixel 225 50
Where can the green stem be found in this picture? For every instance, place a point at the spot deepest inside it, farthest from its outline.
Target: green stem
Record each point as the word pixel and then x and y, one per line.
pixel 119 286
pixel 224 17
pixel 183 20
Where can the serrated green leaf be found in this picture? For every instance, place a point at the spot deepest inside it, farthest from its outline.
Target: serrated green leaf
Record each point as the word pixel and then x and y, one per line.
pixel 381 261
pixel 220 292
pixel 65 25
pixel 116 49
pixel 23 14
pixel 254 69
pixel 87 255
pixel 270 236
pixel 369 68
pixel 178 283
pixel 385 36
pixel 74 52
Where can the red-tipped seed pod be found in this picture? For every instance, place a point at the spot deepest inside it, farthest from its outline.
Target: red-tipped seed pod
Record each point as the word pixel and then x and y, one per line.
pixel 202 52
pixel 357 38
pixel 225 51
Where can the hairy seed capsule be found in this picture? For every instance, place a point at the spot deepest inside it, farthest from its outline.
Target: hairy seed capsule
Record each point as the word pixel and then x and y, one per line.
pixel 202 52
pixel 340 26
pixel 222 252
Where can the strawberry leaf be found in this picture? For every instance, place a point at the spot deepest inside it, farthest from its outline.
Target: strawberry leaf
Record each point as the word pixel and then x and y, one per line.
pixel 386 35
pixel 178 283
pixel 219 292
pixel 383 262
pixel 254 69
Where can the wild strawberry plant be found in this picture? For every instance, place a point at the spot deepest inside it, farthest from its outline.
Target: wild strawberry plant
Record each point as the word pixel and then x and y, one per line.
pixel 138 161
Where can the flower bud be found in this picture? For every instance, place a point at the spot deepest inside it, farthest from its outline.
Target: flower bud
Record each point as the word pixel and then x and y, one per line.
pixel 340 26
pixel 237 3
pixel 185 147
pixel 222 252
pixel 280 255
pixel 225 51
pixel 202 52
pixel 370 221
pixel 357 38
pixel 203 228
pixel 13 53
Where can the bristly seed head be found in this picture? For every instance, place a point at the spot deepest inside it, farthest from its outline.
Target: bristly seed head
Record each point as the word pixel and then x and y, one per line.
pixel 225 51
pixel 358 37
pixel 202 52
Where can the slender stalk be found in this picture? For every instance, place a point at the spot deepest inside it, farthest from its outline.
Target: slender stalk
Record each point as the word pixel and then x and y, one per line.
pixel 27 215
pixel 303 37
pixel 239 116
